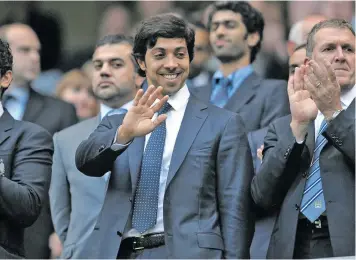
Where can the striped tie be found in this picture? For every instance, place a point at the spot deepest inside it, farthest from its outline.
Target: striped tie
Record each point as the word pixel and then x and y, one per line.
pixel 313 203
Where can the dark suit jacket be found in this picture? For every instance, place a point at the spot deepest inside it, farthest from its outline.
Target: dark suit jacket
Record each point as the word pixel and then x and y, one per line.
pixel 207 210
pixel 258 101
pixel 255 140
pixel 280 182
pixel 25 167
pixel 53 115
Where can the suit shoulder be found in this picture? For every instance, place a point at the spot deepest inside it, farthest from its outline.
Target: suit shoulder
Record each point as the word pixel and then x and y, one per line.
pixel 56 102
pixel 28 128
pixel 282 121
pixel 83 127
pixel 277 83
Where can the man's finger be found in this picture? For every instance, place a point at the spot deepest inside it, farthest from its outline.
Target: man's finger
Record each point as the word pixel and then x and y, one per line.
pixel 319 70
pixel 160 104
pixel 330 71
pixel 138 96
pixel 313 79
pixel 290 86
pixel 298 79
pixel 309 86
pixel 152 98
pixel 147 94
pixel 159 120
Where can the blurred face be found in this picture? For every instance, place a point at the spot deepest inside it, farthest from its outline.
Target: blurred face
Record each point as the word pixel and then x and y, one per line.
pixel 201 52
pixel 167 64
pixel 25 48
pixel 114 73
pixel 77 93
pixel 338 47
pixel 228 36
pixel 296 59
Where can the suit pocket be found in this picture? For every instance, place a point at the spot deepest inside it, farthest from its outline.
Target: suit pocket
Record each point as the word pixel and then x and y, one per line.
pixel 210 240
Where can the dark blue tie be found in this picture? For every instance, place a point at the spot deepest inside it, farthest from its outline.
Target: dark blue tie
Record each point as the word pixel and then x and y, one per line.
pixel 117 111
pixel 221 95
pixel 313 203
pixel 146 199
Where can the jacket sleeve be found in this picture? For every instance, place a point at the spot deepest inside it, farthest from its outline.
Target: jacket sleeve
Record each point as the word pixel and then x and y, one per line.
pixel 22 196
pixel 280 166
pixel 235 172
pixel 94 156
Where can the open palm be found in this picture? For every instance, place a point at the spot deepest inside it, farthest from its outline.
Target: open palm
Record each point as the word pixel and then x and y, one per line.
pixel 138 120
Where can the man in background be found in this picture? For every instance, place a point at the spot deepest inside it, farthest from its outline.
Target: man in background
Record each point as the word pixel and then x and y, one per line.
pixel 23 103
pixel 76 200
pixel 25 169
pixel 236 31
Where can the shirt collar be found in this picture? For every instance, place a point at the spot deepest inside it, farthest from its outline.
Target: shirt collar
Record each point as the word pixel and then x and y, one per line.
pixel 1 110
pixel 347 96
pixel 104 109
pixel 179 99
pixel 219 75
pixel 19 93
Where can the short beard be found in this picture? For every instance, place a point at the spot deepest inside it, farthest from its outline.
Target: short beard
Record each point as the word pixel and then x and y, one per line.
pixel 228 58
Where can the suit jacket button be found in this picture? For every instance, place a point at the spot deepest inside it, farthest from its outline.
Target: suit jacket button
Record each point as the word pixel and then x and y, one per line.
pixel 297 207
pixel 102 147
pixel 119 233
pixel 130 199
pixel 305 174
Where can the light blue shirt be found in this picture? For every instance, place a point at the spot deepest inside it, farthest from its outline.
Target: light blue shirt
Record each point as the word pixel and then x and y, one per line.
pixel 104 109
pixel 17 105
pixel 236 78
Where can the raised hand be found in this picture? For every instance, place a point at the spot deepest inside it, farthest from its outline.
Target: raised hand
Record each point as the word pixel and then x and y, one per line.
pixel 260 152
pixel 138 120
pixel 303 108
pixel 320 80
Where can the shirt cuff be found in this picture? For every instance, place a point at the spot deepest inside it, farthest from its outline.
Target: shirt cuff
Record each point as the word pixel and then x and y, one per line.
pixel 116 147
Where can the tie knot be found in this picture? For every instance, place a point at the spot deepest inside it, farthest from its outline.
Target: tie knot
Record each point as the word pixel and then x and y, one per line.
pixel 117 111
pixel 166 107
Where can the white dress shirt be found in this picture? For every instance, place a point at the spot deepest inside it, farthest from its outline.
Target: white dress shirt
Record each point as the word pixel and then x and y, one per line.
pixel 1 110
pixel 346 98
pixel 104 109
pixel 174 119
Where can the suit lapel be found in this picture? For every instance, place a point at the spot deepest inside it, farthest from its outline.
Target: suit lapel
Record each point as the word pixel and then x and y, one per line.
pixel 310 141
pixel 33 107
pixel 194 117
pixel 135 151
pixel 244 93
pixel 6 124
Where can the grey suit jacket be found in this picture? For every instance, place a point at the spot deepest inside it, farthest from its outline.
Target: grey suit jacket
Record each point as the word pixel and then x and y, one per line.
pixel 207 211
pixel 53 115
pixel 25 171
pixel 280 182
pixel 76 200
pixel 258 101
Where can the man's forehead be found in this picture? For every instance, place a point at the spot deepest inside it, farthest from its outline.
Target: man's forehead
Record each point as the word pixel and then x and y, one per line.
pixel 225 15
pixel 332 34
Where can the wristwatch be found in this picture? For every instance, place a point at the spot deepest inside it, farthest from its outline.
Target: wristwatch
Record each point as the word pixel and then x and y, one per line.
pixel 336 113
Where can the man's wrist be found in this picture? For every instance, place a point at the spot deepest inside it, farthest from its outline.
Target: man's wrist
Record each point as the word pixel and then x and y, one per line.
pixel 299 131
pixel 331 116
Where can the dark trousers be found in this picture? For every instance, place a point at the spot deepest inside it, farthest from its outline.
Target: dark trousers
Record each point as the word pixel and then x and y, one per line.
pixel 312 239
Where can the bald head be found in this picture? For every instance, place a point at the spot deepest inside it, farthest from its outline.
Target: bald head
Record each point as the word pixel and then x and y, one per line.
pixel 25 47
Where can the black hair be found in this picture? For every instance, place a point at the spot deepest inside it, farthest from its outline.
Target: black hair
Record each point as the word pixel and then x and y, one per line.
pixel 164 26
pixel 6 61
pixel 251 17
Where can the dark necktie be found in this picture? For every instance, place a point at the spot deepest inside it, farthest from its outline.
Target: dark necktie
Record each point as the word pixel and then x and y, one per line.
pixel 145 207
pixel 117 111
pixel 313 203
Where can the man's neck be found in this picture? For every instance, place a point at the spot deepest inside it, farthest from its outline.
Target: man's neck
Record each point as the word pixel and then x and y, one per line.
pixel 229 67
pixel 117 103
pixel 19 84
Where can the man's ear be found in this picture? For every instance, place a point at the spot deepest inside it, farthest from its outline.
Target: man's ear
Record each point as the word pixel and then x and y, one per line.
pixel 6 79
pixel 253 39
pixel 142 64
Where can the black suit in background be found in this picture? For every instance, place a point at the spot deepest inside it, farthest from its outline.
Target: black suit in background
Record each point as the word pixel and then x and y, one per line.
pixel 53 115
pixel 25 164
pixel 258 101
pixel 279 185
